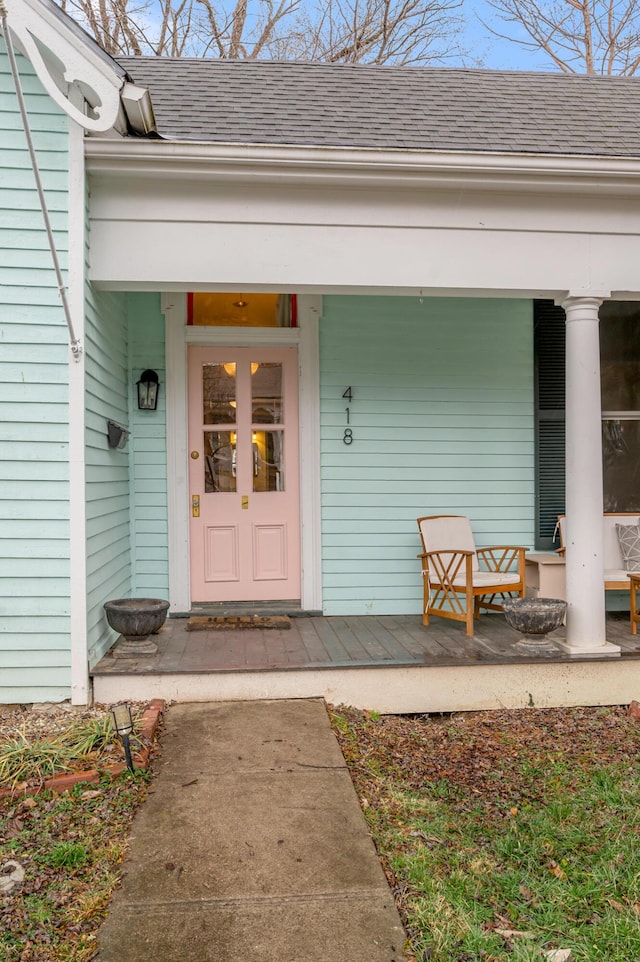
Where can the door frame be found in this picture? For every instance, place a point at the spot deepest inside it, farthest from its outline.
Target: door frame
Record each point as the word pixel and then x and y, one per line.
pixel 178 337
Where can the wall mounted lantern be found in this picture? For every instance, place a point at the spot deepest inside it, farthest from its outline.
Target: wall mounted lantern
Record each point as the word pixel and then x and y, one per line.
pixel 117 436
pixel 148 386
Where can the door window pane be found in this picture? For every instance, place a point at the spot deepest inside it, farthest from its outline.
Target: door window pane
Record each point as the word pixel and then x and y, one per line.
pixel 268 460
pixel 219 461
pixel 219 394
pixel 266 393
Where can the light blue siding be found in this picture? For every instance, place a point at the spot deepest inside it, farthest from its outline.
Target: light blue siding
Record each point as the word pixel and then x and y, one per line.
pixel 107 469
pixel 127 554
pixel 148 452
pixel 34 352
pixel 442 422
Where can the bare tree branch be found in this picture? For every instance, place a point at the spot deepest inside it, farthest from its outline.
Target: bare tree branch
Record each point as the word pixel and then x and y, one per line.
pixel 579 36
pixel 336 31
pixel 377 31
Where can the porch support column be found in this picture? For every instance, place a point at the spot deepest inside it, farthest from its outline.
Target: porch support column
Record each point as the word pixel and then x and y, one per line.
pixel 584 490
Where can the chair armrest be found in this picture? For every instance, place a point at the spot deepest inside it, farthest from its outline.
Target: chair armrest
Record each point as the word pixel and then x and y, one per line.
pixel 502 557
pixel 456 551
pixel 502 547
pixel 425 554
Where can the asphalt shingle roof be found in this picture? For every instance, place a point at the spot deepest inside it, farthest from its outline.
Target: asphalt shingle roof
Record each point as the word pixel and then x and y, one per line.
pixel 265 102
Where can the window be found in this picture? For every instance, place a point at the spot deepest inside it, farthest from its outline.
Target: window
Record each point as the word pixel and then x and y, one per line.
pixel 620 384
pixel 620 379
pixel 242 310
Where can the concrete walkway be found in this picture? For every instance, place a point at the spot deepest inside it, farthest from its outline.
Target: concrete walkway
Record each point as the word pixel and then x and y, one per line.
pixel 251 847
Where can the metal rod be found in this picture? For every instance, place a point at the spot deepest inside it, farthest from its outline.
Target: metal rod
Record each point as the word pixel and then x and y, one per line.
pixel 76 349
pixel 127 753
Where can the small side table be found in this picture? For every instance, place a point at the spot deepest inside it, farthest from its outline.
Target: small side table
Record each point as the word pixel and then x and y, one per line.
pixel 634 584
pixel 545 575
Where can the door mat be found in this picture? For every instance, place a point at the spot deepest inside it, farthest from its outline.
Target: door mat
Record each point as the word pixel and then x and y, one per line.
pixel 237 622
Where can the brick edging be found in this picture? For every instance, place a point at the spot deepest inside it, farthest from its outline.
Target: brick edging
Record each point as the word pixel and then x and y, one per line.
pixel 62 783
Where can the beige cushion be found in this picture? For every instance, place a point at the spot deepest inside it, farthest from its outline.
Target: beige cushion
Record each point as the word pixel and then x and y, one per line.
pixel 451 532
pixel 488 578
pixel 616 574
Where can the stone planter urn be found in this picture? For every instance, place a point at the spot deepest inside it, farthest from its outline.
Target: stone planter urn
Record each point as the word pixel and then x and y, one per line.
pixel 535 618
pixel 135 619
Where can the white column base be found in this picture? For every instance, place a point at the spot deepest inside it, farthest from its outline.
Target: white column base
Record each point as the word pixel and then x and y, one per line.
pixel 590 650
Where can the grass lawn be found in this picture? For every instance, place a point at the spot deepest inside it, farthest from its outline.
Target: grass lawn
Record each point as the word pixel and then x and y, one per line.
pixel 70 848
pixel 60 855
pixel 505 835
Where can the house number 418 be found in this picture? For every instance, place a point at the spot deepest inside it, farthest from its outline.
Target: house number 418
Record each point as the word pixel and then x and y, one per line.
pixel 347 437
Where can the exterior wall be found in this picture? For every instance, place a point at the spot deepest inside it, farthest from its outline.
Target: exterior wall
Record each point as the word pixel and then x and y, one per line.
pixel 442 422
pixel 127 553
pixel 107 469
pixel 34 474
pixel 148 446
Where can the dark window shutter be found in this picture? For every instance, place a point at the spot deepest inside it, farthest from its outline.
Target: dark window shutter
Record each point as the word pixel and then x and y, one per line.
pixel 549 352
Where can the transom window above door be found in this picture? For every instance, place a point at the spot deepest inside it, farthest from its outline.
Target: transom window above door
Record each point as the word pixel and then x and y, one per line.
pixel 238 309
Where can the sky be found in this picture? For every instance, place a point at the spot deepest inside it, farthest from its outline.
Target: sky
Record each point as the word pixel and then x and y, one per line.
pixel 493 52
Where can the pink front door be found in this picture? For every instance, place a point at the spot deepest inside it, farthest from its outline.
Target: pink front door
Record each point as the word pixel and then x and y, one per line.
pixel 244 474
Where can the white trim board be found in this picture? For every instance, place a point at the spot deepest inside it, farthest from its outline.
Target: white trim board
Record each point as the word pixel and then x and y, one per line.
pixel 76 280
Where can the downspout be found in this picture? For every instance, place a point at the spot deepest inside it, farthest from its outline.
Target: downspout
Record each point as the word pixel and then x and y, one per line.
pixel 76 349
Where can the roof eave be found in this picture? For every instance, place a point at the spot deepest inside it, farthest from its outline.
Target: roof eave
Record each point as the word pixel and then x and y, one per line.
pixel 391 167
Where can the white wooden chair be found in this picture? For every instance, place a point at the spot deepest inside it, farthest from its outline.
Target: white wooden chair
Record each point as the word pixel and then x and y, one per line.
pixel 455 586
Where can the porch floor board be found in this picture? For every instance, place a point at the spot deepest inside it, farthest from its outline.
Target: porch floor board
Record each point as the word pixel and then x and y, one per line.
pixel 345 642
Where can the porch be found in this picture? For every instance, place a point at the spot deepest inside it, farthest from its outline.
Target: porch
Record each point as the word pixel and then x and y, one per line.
pixel 387 663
